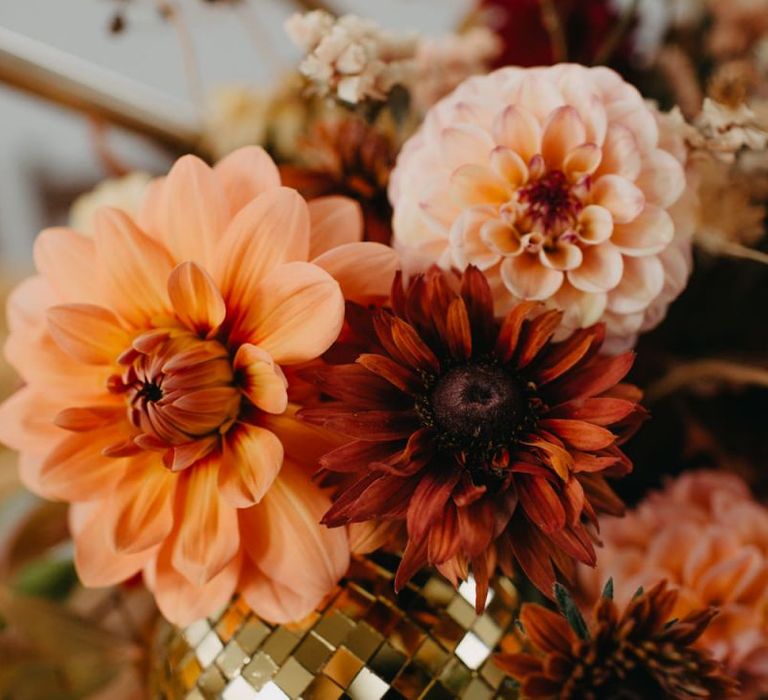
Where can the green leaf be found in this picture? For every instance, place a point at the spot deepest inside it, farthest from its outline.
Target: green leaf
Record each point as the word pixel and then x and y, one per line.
pixel 608 589
pixel 47 579
pixel 570 611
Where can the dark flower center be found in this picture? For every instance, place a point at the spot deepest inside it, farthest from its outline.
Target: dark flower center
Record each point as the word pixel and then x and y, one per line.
pixel 478 403
pixel 550 200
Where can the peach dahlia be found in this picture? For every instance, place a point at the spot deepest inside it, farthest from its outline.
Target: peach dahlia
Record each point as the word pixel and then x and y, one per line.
pixel 561 184
pixel 155 399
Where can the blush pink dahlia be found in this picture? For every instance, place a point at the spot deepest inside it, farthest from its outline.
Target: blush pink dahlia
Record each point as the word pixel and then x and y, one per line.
pixel 559 184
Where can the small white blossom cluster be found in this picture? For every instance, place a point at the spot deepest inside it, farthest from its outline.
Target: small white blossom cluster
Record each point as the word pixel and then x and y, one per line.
pixel 726 130
pixel 351 58
pixel 445 62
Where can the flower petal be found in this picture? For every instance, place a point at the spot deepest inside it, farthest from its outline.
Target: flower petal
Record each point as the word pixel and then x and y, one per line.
pixel 465 144
pixel 473 185
pixel 334 222
pixel 527 278
pixel 563 132
pixel 90 334
pixel 196 299
pixel 619 196
pixel 275 601
pixel 621 155
pixel 662 178
pixel 648 234
pixel 510 166
pixel 67 260
pixel 601 269
pixel 641 282
pixel 134 268
pixel 364 271
pixel 187 211
pixel 517 129
pixel 244 174
pixel 263 382
pixel 208 537
pixel 295 313
pixel 251 460
pixel 595 225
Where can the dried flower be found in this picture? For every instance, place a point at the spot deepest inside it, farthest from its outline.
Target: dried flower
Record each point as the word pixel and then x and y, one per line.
pixel 727 129
pixel 708 538
pixel 345 155
pixel 351 58
pixel 641 653
pixel 155 398
pixel 125 193
pixel 561 184
pixel 489 441
pixel 236 116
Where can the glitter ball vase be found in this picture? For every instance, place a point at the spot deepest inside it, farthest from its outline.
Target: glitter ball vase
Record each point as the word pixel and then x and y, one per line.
pixel 364 643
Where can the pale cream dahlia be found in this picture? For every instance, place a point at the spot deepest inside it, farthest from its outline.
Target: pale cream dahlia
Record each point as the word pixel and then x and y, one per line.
pixel 561 184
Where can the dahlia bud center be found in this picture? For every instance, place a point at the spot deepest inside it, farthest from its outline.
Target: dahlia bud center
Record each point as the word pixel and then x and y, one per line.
pixel 177 387
pixel 478 402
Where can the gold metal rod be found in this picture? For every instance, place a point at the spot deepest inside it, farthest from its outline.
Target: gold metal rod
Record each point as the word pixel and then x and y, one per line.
pixel 66 80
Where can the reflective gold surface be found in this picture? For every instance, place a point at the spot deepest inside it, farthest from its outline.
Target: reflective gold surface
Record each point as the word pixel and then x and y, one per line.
pixel 364 643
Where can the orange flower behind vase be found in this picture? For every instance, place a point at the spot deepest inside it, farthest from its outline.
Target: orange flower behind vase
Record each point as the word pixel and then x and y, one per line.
pixel 155 400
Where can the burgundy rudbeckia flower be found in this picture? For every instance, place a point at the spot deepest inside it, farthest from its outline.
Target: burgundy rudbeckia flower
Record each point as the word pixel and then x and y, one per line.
pixel 490 441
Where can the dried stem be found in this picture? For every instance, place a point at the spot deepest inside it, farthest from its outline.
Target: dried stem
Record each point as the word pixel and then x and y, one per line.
pixel 736 250
pixel 172 12
pixel 553 23
pixel 613 39
pixel 704 371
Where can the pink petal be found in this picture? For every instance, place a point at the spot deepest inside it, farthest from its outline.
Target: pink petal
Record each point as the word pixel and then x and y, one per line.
pixel 563 256
pixel 364 271
pixel 581 309
pixel 501 238
pixel 649 233
pixel 641 282
pixel 526 278
pixel 600 270
pixel 581 161
pixel 662 179
pixel 196 299
pixel 595 225
pixel 467 244
pixel 244 174
pixel 295 313
pixel 619 196
pixel 473 185
pixel 519 131
pixel 465 144
pixel 334 222
pixel 250 462
pixel 509 166
pixel 563 132
pixel 262 381
pixel 621 155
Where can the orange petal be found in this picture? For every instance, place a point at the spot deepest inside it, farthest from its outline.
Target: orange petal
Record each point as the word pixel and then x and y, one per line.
pixel 196 299
pixel 621 155
pixel 510 166
pixel 67 259
pixel 364 271
pixel 182 602
pixel 250 462
pixel 582 160
pixel 97 563
pixel 295 313
pixel 244 174
pixel 601 269
pixel 648 234
pixel 263 382
pixel 88 333
pixel 619 196
pixel 334 221
pixel 134 268
pixel 141 515
pixel 473 185
pixel 297 543
pixel 208 536
pixel 463 144
pixel 547 629
pixel 271 230
pixel 527 278
pixel 187 211
pixel 579 434
pixel 595 225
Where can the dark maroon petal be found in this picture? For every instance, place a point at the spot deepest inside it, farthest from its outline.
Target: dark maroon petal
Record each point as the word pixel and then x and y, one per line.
pixel 417 453
pixel 533 553
pixel 429 499
pixel 403 343
pixel 458 332
pixel 601 496
pixel 600 411
pixel 483 565
pixel 509 335
pixel 414 558
pixel 371 426
pixel 356 386
pixel 578 433
pixel 375 496
pixel 585 462
pixel 575 542
pixel 535 335
pixel 598 376
pixel 444 539
pixel 573 500
pixel 392 372
pixel 562 357
pixel 478 298
pixel 357 456
pixel 542 503
pixel 476 527
pixel 467 492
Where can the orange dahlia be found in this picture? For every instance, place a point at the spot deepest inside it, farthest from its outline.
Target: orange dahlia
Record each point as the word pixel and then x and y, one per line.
pixel 491 442
pixel 155 398
pixel 638 654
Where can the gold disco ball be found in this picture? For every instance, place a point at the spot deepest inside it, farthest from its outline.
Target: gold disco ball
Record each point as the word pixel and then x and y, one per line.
pixel 365 643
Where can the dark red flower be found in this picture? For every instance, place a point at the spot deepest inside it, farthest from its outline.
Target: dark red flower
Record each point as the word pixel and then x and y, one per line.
pixel 487 439
pixel 532 35
pixel 639 654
